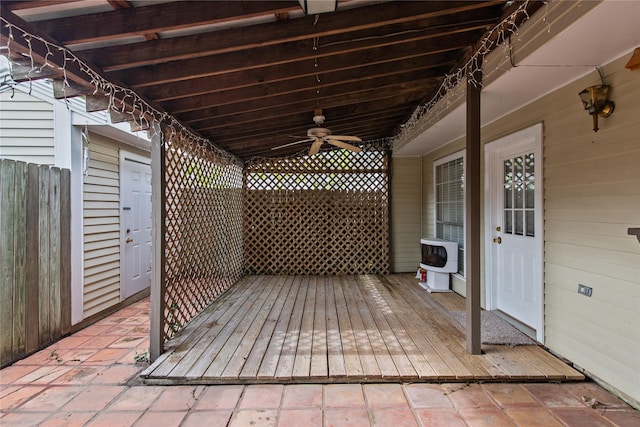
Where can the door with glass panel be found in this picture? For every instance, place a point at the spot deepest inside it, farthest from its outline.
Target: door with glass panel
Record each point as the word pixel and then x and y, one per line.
pixel 515 233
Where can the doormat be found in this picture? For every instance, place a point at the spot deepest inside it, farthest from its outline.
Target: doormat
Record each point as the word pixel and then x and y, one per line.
pixel 494 330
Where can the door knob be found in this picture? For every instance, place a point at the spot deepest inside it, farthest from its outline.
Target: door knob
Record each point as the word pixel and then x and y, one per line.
pixel 129 240
pixel 497 240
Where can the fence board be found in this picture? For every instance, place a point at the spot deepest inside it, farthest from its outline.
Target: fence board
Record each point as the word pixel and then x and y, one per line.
pixel 65 251
pixel 43 256
pixel 20 239
pixel 7 187
pixel 35 257
pixel 32 300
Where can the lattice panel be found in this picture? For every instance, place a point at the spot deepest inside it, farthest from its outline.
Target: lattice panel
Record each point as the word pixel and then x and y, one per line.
pixel 325 214
pixel 203 234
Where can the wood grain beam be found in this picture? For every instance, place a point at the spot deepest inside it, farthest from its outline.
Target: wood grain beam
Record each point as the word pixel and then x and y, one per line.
pixel 290 53
pixel 378 20
pixel 156 18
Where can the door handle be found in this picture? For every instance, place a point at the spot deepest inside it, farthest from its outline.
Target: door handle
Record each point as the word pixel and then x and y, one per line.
pixel 129 240
pixel 497 240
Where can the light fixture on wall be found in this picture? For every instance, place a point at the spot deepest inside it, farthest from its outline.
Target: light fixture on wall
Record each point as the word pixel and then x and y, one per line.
pixel 594 100
pixel 314 7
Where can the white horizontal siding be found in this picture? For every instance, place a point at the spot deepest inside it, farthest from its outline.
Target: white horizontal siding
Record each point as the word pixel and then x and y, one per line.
pixel 26 128
pixel 101 212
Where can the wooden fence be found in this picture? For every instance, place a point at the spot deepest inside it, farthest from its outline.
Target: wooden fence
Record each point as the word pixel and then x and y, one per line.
pixel 35 257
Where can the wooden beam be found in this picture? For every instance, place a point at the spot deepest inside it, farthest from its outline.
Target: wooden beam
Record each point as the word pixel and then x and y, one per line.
pixel 68 89
pixel 473 209
pixel 294 54
pixel 156 18
pixel 158 287
pixel 368 22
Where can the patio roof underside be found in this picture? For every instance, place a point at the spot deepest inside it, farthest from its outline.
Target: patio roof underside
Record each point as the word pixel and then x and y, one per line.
pixel 249 75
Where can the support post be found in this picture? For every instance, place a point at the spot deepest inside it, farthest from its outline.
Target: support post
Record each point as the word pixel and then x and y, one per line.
pixel 472 213
pixel 156 341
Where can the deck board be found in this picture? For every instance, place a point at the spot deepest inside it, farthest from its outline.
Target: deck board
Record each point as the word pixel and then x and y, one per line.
pixel 324 329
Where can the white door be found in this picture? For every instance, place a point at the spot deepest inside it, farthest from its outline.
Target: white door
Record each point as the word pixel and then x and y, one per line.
pixel 514 227
pixel 136 224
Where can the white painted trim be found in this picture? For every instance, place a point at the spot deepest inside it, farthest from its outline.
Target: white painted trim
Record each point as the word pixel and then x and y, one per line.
pixel 77 225
pixel 524 139
pixel 124 155
pixel 62 135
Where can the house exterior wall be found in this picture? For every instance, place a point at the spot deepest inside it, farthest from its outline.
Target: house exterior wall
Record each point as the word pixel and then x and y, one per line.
pixel 591 197
pixel 405 214
pixel 101 231
pixel 26 128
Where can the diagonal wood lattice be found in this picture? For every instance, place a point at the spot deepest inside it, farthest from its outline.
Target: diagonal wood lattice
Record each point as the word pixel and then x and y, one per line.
pixel 324 214
pixel 203 229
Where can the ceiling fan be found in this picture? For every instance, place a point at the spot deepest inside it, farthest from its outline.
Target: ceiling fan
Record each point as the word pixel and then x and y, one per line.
pixel 319 135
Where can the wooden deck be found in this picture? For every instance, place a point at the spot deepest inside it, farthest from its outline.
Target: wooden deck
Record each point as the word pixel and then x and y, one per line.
pixel 323 329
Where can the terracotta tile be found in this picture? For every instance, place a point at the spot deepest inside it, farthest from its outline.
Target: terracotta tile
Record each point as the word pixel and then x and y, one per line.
pixel 300 417
pixel 207 418
pixel 114 419
pixel 93 330
pixel 136 398
pixel 119 330
pixel 346 418
pixel 52 398
pixel 42 357
pixel 107 356
pixel 381 395
pixel 12 373
pixel 554 396
pixel 511 395
pixel 439 417
pixel 155 419
pixel 539 417
pixel 255 417
pixel 178 398
pixel 116 374
pixel 12 397
pixel 127 342
pixel 426 396
pixel 343 396
pixel 219 397
pixel 77 355
pixel 468 396
pixel 44 375
pixel 140 330
pixel 28 419
pixel 590 390
pixel 396 417
pixel 580 417
pixel 68 419
pixel 262 396
pixel 100 342
pixel 481 417
pixel 79 375
pixel 94 398
pixel 622 417
pixel 114 319
pixel 72 341
pixel 302 396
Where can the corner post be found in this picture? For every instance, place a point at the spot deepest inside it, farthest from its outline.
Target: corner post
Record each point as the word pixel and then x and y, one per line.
pixel 472 212
pixel 156 341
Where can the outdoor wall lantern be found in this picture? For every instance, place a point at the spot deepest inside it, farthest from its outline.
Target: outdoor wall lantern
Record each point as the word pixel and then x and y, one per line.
pixel 314 7
pixel 594 100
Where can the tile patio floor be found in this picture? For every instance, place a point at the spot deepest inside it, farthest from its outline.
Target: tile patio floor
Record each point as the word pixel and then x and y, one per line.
pixel 90 379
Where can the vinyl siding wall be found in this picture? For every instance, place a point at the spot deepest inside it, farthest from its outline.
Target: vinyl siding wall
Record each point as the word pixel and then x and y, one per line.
pixel 591 197
pixel 26 128
pixel 406 197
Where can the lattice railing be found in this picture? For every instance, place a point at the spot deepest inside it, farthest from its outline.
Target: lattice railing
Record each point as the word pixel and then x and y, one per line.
pixel 203 229
pixel 324 214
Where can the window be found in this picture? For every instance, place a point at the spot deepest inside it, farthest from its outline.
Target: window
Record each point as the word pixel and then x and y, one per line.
pixel 449 197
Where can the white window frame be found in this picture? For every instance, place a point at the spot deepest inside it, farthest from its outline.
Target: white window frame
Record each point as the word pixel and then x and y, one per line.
pixel 462 154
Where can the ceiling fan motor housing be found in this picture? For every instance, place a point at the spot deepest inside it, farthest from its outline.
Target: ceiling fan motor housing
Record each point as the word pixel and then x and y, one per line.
pixel 318 132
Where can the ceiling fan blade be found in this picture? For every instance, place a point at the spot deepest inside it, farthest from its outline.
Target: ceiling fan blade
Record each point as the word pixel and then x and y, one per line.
pixel 315 147
pixel 293 143
pixel 345 138
pixel 344 145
